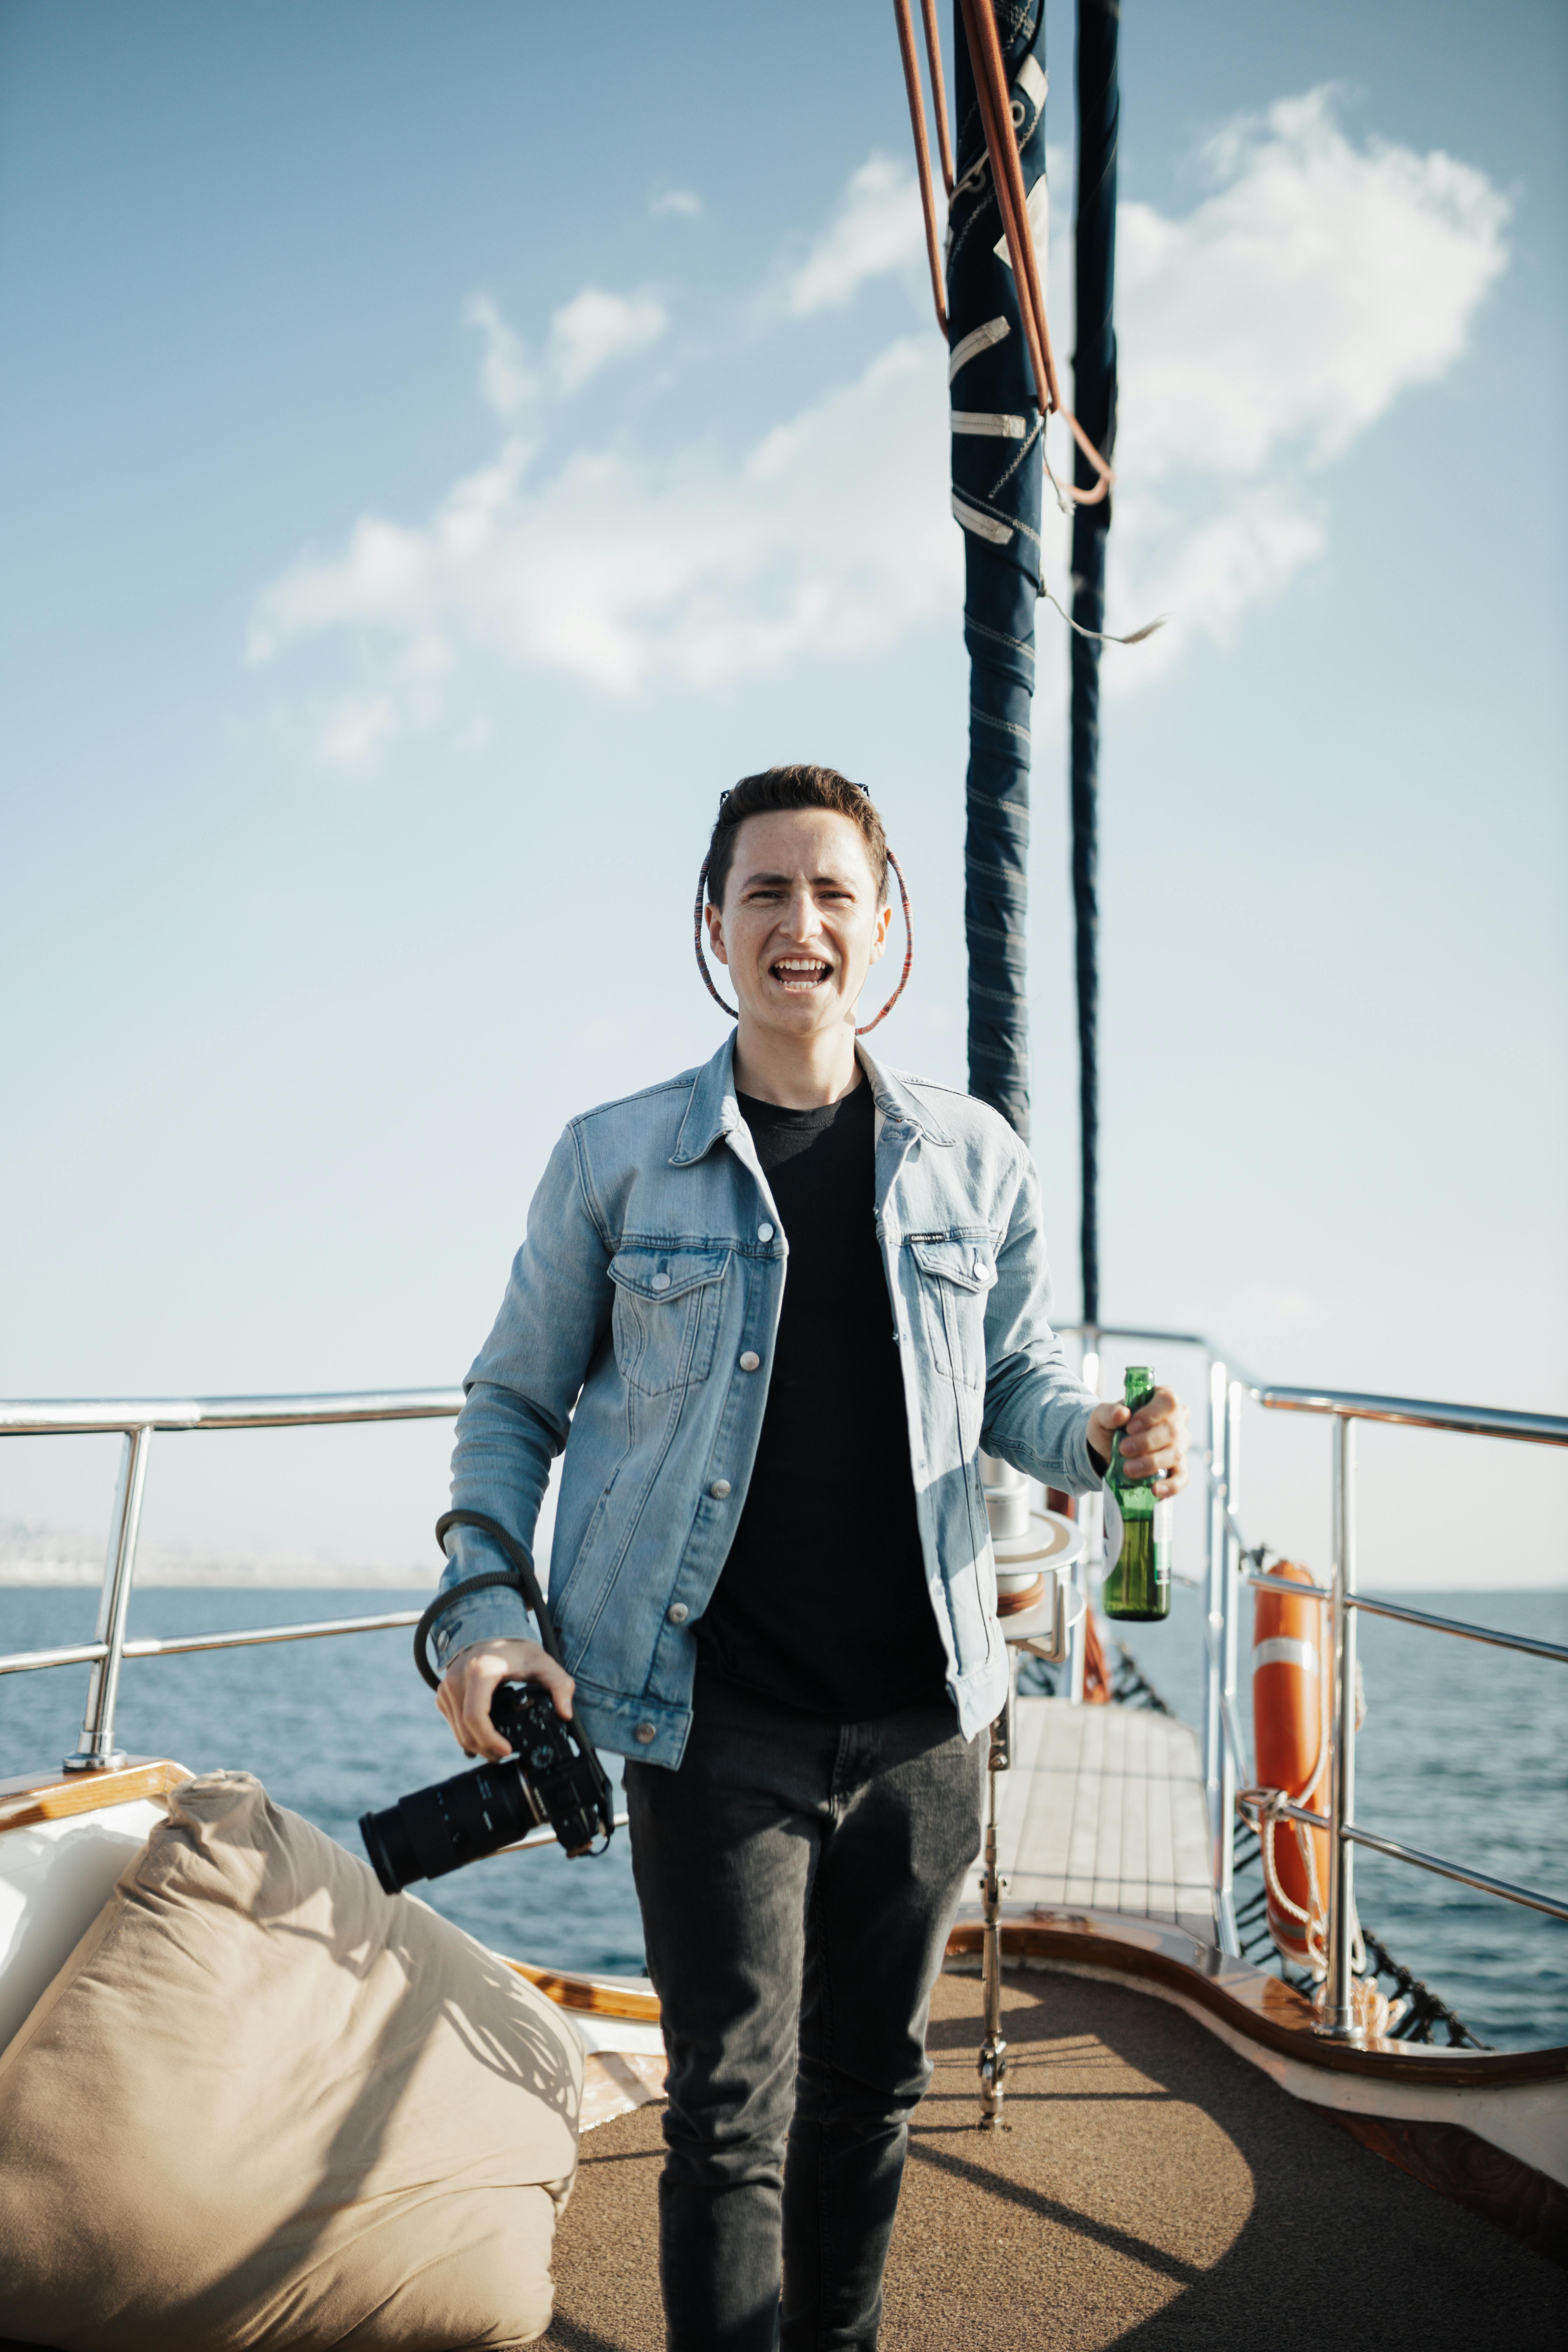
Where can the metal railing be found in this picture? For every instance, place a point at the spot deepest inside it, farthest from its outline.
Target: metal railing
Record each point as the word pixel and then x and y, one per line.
pixel 136 1423
pixel 1226 1547
pixel 1226 1550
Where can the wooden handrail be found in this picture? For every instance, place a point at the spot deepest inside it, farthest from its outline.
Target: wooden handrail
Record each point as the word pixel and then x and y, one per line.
pixel 33 1797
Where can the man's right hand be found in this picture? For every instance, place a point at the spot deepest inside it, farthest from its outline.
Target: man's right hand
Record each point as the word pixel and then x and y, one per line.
pixel 469 1684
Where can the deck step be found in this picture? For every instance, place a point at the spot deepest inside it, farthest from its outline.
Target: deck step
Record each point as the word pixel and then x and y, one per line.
pixel 1104 1805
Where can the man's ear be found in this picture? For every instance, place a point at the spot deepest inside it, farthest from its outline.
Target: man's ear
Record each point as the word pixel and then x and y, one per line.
pixel 716 931
pixel 879 936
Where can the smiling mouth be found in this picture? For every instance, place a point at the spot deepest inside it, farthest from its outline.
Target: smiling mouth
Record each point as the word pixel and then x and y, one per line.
pixel 800 974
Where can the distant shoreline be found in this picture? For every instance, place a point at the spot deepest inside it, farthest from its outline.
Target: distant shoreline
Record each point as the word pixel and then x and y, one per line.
pixel 40 1558
pixel 76 1575
pixel 45 1558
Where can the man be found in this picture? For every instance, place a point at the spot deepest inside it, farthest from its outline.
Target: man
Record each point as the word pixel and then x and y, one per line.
pixel 772 1308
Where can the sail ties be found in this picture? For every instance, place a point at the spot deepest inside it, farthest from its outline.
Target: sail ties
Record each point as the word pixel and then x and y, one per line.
pixel 1017 225
pixel 1103 637
pixel 1007 180
pixel 1002 159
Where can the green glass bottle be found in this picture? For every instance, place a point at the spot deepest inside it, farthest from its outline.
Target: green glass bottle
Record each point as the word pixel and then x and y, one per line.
pixel 1138 1581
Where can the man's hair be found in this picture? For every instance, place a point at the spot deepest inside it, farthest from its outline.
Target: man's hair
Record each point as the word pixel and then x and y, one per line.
pixel 799 786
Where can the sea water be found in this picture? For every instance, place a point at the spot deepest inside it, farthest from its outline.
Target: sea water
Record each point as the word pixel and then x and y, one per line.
pixel 1464 1754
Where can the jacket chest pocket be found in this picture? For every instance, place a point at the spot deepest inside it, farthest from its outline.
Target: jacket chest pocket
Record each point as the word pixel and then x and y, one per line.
pixel 665 1317
pixel 956 1277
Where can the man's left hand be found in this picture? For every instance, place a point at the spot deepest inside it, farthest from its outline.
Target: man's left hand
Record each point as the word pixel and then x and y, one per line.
pixel 1154 1440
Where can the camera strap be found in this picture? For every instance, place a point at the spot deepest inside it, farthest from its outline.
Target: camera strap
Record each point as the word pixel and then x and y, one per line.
pixel 519 1579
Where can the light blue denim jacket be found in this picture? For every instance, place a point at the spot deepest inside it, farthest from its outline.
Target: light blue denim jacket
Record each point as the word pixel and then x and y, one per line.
pixel 646 1296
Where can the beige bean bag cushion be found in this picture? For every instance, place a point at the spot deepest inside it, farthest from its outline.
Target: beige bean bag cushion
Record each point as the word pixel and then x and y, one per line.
pixel 265 2103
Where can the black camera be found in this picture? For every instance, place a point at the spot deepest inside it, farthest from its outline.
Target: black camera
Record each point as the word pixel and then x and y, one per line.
pixel 552 1776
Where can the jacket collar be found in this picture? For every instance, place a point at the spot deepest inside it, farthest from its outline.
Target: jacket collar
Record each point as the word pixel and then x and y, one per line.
pixel 713 1112
pixel 897 1101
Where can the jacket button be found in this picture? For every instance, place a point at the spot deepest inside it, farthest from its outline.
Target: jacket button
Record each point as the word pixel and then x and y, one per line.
pixel 659 1282
pixel 764 1232
pixel 718 1489
pixel 678 1612
pixel 643 1734
pixel 751 1360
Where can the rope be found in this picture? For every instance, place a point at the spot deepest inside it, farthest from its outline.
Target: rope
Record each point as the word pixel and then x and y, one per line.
pixel 1069 496
pixel 1102 637
pixel 1007 180
pixel 922 153
pixel 1373 2011
pixel 938 92
pixel 1409 2016
pixel 866 1028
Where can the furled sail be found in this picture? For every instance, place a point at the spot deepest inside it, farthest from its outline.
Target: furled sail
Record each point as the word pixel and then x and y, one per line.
pixel 996 481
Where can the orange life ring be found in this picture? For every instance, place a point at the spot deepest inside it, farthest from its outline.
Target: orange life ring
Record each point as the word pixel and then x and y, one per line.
pixel 1290 1731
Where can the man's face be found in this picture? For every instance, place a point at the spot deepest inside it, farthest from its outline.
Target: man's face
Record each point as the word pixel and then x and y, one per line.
pixel 800 926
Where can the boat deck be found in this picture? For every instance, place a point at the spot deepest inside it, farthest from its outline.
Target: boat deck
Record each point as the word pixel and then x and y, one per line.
pixel 1150 2190
pixel 1104 1806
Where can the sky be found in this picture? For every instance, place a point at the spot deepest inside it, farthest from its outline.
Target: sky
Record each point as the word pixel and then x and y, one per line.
pixel 442 448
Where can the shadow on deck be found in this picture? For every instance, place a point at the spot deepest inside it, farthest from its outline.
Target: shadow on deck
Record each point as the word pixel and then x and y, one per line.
pixel 1149 2190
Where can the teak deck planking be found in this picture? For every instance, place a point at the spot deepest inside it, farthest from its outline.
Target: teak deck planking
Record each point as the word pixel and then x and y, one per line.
pixel 1104 1806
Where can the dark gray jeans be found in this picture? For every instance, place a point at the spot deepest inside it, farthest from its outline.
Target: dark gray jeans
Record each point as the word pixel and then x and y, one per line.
pixel 797 1879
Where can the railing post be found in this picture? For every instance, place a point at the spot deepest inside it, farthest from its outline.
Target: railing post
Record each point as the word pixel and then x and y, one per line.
pixel 96 1751
pixel 992 2059
pixel 1338 2022
pixel 1214 1614
pixel 1230 1599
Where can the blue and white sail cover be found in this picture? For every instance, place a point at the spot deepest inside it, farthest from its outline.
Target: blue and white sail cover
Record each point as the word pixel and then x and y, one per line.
pixel 996 482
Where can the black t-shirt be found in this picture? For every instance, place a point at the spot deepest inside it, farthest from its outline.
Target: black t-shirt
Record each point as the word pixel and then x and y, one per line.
pixel 822 1603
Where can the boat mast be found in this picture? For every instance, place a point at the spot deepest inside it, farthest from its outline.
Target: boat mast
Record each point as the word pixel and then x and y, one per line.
pixel 1094 397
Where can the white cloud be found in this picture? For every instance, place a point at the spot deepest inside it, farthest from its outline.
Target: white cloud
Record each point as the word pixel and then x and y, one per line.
pixel 678 204
pixel 506 380
pixel 701 572
pixel 876 228
pixel 1317 283
pixel 1261 334
pixel 348 729
pixel 594 328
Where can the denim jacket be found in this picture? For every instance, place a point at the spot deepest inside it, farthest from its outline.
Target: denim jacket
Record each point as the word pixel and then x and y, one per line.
pixel 637 1332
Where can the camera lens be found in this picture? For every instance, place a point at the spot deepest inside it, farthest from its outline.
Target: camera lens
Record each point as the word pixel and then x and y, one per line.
pixel 391 1851
pixel 440 1828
